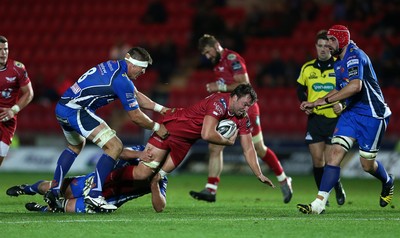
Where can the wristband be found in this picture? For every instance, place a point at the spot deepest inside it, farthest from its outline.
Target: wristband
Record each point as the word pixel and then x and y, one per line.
pixel 221 86
pixel 326 100
pixel 158 107
pixel 15 109
pixel 156 126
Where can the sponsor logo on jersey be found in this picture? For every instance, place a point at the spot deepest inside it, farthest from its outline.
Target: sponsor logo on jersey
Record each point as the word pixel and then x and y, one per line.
pixel 133 104
pixel 313 75
pixel 221 68
pixel 75 88
pixel 327 87
pixel 352 62
pixel 231 57
pixel 6 93
pixel 19 64
pixel 10 79
pixel 353 71
pixel 331 74
pixel 217 109
pixel 236 65
pixel 129 96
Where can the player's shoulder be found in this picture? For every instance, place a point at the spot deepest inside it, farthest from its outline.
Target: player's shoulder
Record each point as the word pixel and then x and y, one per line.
pixel 16 64
pixel 309 63
pixel 232 55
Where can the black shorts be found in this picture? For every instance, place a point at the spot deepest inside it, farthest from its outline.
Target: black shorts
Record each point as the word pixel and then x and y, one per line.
pixel 320 129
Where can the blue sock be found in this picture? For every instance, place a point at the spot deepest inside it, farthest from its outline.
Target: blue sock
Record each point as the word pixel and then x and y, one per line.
pixel 329 178
pixel 103 168
pixel 80 206
pixel 33 189
pixel 381 173
pixel 64 163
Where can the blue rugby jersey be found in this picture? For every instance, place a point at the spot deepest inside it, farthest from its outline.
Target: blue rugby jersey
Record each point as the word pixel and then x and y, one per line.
pixel 357 65
pixel 100 86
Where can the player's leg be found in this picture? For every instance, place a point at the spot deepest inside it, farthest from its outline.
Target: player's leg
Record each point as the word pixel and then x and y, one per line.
pixel 215 165
pixel 269 157
pixel 40 187
pixel 371 133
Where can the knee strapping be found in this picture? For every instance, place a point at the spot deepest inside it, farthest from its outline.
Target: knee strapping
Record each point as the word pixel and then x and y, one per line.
pixel 368 155
pixel 104 136
pixel 343 141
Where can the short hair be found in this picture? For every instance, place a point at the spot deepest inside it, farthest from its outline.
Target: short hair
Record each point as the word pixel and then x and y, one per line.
pixel 139 53
pixel 321 35
pixel 3 39
pixel 242 90
pixel 206 40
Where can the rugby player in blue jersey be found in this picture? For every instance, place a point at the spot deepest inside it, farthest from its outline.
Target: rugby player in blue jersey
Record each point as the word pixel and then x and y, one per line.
pixel 75 111
pixel 364 120
pixel 115 192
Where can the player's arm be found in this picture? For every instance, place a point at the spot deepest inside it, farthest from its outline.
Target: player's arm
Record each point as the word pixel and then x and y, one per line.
pixel 24 100
pixel 146 103
pixel 250 155
pixel 157 199
pixel 128 153
pixel 219 86
pixel 142 120
pixel 209 132
pixel 353 87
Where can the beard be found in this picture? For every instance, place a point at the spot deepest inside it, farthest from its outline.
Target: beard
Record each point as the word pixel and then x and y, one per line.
pixel 216 59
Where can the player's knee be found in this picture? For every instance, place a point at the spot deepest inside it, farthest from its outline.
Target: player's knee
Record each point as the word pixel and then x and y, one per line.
pixel 345 142
pixel 104 136
pixel 368 155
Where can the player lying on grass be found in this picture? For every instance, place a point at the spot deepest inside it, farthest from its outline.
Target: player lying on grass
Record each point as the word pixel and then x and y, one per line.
pixel 115 192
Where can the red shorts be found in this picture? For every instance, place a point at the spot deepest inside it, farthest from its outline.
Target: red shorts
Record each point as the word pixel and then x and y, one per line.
pixel 7 130
pixel 254 116
pixel 178 147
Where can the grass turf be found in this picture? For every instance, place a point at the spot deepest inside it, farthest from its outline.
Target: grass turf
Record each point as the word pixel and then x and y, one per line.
pixel 244 208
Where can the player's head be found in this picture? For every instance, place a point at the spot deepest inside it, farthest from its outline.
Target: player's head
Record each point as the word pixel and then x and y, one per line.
pixel 3 51
pixel 242 97
pixel 210 48
pixel 321 44
pixel 138 59
pixel 339 37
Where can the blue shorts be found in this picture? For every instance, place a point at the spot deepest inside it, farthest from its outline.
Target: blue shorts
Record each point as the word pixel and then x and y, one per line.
pixel 80 185
pixel 82 121
pixel 368 131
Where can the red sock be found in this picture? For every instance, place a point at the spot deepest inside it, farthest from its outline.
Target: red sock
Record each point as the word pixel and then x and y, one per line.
pixel 212 184
pixel 272 161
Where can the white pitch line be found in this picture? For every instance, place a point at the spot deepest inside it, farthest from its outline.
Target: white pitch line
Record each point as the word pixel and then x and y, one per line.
pixel 208 219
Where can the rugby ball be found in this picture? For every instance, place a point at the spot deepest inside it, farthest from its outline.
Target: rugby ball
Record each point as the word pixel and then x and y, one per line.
pixel 226 128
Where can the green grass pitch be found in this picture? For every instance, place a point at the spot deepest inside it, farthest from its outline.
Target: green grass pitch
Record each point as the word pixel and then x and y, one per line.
pixel 244 208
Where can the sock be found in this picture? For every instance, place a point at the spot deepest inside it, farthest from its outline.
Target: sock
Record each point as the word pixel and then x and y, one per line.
pixel 329 178
pixel 103 169
pixel 381 173
pixel 80 206
pixel 272 161
pixel 318 172
pixel 33 189
pixel 212 184
pixel 64 163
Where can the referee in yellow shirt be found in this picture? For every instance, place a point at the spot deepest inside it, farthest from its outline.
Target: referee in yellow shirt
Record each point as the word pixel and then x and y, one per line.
pixel 316 79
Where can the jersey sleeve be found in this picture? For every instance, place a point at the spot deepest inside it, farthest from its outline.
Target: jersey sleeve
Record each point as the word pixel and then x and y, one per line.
pixel 216 107
pixel 355 69
pixel 125 90
pixel 23 78
pixel 237 64
pixel 301 79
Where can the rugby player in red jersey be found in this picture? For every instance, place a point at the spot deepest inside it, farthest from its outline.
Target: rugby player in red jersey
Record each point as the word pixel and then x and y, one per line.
pixel 230 71
pixel 15 93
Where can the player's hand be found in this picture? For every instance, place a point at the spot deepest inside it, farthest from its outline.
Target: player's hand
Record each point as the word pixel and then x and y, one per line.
pixel 232 139
pixel 265 180
pixel 162 132
pixel 164 110
pixel 212 87
pixel 306 106
pixel 6 114
pixel 337 108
